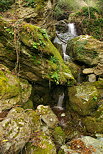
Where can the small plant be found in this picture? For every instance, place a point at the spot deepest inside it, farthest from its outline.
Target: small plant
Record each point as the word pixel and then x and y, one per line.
pixel 39 43
pixel 53 59
pixel 30 3
pixel 95 98
pixel 9 30
pixel 44 33
pixel 35 45
pixel 55 77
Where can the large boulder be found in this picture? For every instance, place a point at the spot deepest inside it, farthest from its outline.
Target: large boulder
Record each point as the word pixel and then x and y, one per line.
pixel 12 90
pixel 83 98
pixel 86 49
pixel 17 128
pixel 94 123
pixel 38 57
pixel 85 144
pixel 47 116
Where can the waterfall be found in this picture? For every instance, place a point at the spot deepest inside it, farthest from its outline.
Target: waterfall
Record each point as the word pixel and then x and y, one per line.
pixel 62 39
pixel 60 101
pixel 71 29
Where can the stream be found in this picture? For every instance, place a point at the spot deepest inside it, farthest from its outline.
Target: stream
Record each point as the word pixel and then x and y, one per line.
pixel 62 38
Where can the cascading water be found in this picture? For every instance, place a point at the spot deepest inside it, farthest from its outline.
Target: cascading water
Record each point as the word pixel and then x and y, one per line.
pixel 62 39
pixel 72 29
pixel 60 101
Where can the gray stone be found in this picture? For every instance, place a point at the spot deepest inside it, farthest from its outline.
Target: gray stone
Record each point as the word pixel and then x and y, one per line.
pixel 16 129
pixel 48 116
pixel 92 78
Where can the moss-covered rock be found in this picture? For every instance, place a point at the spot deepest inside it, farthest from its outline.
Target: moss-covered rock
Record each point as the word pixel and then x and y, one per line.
pixel 88 21
pixel 85 144
pixel 12 90
pixel 94 123
pixel 86 49
pixel 9 89
pixel 59 135
pixel 83 98
pixel 41 143
pixel 75 69
pixel 47 115
pixel 38 58
pixel 17 128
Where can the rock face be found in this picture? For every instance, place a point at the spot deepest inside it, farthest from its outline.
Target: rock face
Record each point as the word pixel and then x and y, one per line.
pixel 12 90
pixel 16 129
pixel 38 58
pixel 86 49
pixel 83 98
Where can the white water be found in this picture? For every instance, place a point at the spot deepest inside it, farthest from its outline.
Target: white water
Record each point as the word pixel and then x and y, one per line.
pixel 62 39
pixel 72 29
pixel 60 101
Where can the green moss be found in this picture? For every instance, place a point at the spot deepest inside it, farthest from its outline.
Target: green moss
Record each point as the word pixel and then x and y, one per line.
pixel 28 105
pixel 93 124
pixel 41 144
pixel 82 98
pixel 8 89
pixel 59 135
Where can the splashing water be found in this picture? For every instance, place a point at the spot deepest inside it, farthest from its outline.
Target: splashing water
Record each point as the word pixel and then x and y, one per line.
pixel 62 39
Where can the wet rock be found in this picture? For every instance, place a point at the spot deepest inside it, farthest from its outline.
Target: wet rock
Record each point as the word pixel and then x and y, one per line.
pixel 12 90
pixel 17 128
pixel 82 98
pixel 86 49
pixel 47 115
pixel 92 78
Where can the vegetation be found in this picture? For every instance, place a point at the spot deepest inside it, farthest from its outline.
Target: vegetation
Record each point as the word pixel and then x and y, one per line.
pixel 5 4
pixel 100 6
pixel 90 22
pixel 29 3
pixel 63 8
